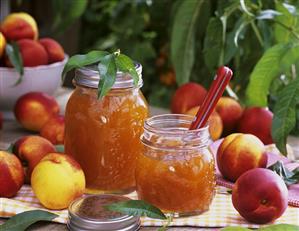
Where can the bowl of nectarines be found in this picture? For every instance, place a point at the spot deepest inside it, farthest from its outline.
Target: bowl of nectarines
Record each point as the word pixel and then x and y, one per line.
pixel 42 59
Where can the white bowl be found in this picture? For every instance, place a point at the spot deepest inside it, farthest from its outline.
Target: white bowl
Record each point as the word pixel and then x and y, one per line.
pixel 44 78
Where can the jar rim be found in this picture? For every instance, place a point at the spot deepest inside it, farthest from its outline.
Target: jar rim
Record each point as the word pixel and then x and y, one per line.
pixel 89 76
pixel 150 123
pixel 171 132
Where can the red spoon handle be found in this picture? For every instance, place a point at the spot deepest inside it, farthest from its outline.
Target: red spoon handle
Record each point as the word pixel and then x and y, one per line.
pixel 216 90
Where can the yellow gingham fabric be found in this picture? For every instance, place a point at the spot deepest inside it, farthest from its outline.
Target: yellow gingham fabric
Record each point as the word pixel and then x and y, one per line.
pixel 221 213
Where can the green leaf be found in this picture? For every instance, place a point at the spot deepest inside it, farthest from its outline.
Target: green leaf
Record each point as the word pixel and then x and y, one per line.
pixel 23 220
pixel 280 227
pixel 14 56
pixel 213 43
pixel 137 208
pixel 183 38
pixel 59 148
pixel 266 69
pixel 289 177
pixel 281 34
pixel 125 64
pixel 285 114
pixel 107 69
pixel 235 228
pixel 78 61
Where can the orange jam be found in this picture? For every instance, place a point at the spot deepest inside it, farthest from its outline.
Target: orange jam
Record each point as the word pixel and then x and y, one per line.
pixel 103 135
pixel 176 171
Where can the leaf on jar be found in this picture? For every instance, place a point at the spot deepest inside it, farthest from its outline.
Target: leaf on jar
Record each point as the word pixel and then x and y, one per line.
pixel 107 69
pixel 126 65
pixel 78 61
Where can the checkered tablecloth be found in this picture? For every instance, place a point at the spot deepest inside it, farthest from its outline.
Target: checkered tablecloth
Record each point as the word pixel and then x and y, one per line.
pixel 221 213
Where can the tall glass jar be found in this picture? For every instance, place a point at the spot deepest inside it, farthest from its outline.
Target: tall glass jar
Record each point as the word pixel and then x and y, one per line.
pixel 176 171
pixel 103 135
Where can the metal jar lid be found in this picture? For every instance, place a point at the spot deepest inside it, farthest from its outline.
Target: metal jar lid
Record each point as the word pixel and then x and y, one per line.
pixel 88 213
pixel 89 77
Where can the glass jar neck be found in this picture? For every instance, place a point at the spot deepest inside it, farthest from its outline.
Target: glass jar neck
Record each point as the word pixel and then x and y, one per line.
pixel 171 132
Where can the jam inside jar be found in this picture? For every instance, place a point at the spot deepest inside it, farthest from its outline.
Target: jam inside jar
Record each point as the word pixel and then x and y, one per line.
pixel 176 171
pixel 103 135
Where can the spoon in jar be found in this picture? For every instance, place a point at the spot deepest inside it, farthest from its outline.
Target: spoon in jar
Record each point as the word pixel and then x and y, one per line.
pixel 216 90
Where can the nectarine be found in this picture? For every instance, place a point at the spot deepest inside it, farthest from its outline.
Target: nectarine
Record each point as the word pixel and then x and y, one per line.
pixel 57 180
pixel 2 44
pixel 257 121
pixel 32 53
pixel 187 96
pixel 11 174
pixel 230 112
pixel 53 130
pixel 260 196
pixel 19 26
pixel 239 153
pixel 34 109
pixel 31 149
pixel 53 48
pixel 215 123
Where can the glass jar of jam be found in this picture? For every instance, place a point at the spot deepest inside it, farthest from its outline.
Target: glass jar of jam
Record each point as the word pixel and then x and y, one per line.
pixel 103 135
pixel 176 171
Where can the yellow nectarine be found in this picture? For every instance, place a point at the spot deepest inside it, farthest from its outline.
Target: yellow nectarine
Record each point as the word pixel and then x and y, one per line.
pixel 2 44
pixel 57 180
pixel 239 153
pixel 215 123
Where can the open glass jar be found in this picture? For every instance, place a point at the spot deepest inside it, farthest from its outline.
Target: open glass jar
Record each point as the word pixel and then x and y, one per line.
pixel 103 135
pixel 176 171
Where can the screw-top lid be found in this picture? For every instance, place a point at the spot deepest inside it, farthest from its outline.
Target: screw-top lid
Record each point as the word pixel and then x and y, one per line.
pixel 89 77
pixel 88 213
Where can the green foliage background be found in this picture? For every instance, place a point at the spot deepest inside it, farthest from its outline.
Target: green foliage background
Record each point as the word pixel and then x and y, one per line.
pixel 258 39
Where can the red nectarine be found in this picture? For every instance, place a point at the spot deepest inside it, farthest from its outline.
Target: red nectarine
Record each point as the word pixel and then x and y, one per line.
pixel 230 112
pixel 11 174
pixel 187 96
pixel 33 54
pixel 257 121
pixel 34 109
pixel 53 130
pixel 260 196
pixel 53 48
pixel 31 149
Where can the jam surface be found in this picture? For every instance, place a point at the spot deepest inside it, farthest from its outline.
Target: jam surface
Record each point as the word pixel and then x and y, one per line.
pixel 179 182
pixel 104 136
